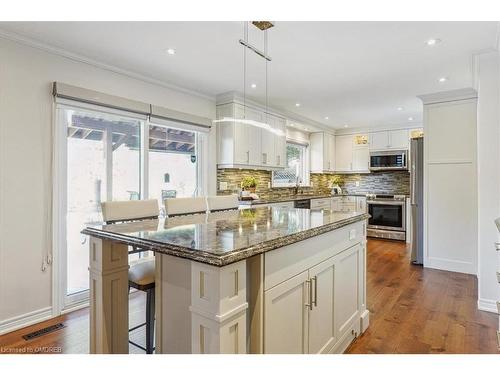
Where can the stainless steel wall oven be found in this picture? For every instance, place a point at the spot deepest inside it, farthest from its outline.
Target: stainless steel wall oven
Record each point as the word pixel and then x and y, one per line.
pixel 388 216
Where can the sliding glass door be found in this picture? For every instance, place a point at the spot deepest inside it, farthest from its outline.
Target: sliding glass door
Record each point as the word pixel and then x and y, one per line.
pixel 103 163
pixel 173 163
pixel 112 156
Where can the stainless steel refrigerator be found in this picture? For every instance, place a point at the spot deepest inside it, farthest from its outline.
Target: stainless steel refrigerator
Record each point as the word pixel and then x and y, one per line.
pixel 417 199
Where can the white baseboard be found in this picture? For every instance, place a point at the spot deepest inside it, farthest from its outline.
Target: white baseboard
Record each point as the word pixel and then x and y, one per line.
pixel 25 320
pixel 365 320
pixel 487 305
pixel 450 265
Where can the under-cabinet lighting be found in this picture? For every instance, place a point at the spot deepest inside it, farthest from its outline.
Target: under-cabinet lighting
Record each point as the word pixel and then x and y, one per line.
pixel 257 124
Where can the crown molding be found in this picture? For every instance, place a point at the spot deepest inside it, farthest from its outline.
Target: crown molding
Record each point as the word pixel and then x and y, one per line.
pixel 448 96
pixel 402 126
pixel 18 38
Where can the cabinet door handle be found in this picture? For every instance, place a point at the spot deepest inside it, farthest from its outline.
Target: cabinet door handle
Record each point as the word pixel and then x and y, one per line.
pixel 264 158
pixel 310 304
pixel 315 278
pixel 248 156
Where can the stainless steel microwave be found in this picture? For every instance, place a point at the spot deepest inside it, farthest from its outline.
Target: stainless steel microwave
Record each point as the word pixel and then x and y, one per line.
pixel 388 160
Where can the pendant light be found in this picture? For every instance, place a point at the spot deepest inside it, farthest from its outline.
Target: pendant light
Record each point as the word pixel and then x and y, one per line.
pixel 263 26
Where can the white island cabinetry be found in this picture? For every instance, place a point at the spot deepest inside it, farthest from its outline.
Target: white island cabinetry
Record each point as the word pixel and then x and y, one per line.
pixel 313 306
pixel 302 292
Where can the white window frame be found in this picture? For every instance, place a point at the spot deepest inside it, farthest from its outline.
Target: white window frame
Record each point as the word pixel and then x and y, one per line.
pixel 306 168
pixel 61 303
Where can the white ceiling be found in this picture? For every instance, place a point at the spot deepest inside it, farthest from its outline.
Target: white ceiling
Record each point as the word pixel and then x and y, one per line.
pixel 356 73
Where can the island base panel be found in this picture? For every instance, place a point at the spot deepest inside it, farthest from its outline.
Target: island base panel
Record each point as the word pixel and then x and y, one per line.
pixel 108 271
pixel 201 308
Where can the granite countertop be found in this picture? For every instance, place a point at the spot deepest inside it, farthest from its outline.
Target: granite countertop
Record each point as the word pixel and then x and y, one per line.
pixel 295 198
pixel 225 237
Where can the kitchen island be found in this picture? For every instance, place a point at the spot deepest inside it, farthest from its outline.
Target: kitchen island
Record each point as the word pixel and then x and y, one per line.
pixel 260 280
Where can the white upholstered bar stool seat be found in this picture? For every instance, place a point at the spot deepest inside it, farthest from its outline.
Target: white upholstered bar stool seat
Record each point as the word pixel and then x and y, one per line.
pixel 141 274
pixel 222 202
pixel 115 211
pixel 184 206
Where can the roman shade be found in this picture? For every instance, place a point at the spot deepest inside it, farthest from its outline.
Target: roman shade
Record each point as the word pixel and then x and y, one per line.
pixel 158 114
pixel 168 117
pixel 79 94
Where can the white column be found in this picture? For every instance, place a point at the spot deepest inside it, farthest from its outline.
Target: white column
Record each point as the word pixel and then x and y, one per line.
pixel 218 308
pixel 108 269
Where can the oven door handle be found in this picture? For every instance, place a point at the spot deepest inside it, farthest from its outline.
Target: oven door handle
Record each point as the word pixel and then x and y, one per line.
pixel 391 203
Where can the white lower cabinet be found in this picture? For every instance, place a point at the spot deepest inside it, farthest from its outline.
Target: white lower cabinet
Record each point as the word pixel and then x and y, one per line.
pixel 347 293
pixel 318 310
pixel 322 333
pixel 286 316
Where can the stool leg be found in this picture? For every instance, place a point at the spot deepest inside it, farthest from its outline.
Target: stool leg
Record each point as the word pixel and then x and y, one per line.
pixel 150 320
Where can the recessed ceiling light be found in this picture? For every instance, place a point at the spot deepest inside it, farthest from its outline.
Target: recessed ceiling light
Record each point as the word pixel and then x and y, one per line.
pixel 410 118
pixel 326 118
pixel 291 124
pixel 400 108
pixel 443 79
pixel 345 126
pixel 297 104
pixel 171 51
pixel 433 41
pixel 306 129
pixel 253 85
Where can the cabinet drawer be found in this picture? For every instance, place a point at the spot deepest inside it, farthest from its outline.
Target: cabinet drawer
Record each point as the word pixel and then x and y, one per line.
pixel 321 203
pixel 282 205
pixel 283 263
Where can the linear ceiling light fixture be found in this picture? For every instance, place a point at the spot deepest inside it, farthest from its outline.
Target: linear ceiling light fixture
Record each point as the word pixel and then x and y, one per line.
pixel 263 26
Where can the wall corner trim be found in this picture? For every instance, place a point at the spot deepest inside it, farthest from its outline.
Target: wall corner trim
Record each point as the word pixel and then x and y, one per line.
pixel 448 96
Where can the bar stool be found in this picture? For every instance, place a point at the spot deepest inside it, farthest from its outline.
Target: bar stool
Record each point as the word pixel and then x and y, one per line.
pixel 222 203
pixel 141 274
pixel 184 206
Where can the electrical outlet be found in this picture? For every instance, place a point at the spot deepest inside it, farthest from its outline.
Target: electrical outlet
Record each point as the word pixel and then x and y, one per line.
pixel 222 185
pixel 357 183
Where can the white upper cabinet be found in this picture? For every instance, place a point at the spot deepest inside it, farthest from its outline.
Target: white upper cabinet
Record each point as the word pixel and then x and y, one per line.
pixel 322 146
pixel 352 154
pixel 360 159
pixel 248 145
pixel 390 139
pixel 399 139
pixel 343 153
pixel 267 141
pixel 279 124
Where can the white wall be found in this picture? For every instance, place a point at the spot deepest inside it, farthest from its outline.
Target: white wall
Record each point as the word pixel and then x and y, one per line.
pixel 26 106
pixel 488 146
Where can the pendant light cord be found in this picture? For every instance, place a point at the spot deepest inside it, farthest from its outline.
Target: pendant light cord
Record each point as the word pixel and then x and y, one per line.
pixel 267 94
pixel 245 37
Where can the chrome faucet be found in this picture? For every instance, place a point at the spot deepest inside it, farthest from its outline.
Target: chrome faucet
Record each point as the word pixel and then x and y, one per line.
pixel 297 185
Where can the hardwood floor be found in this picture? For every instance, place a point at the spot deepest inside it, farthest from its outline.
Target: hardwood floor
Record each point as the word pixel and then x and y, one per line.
pixel 413 310
pixel 74 338
pixel 417 310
